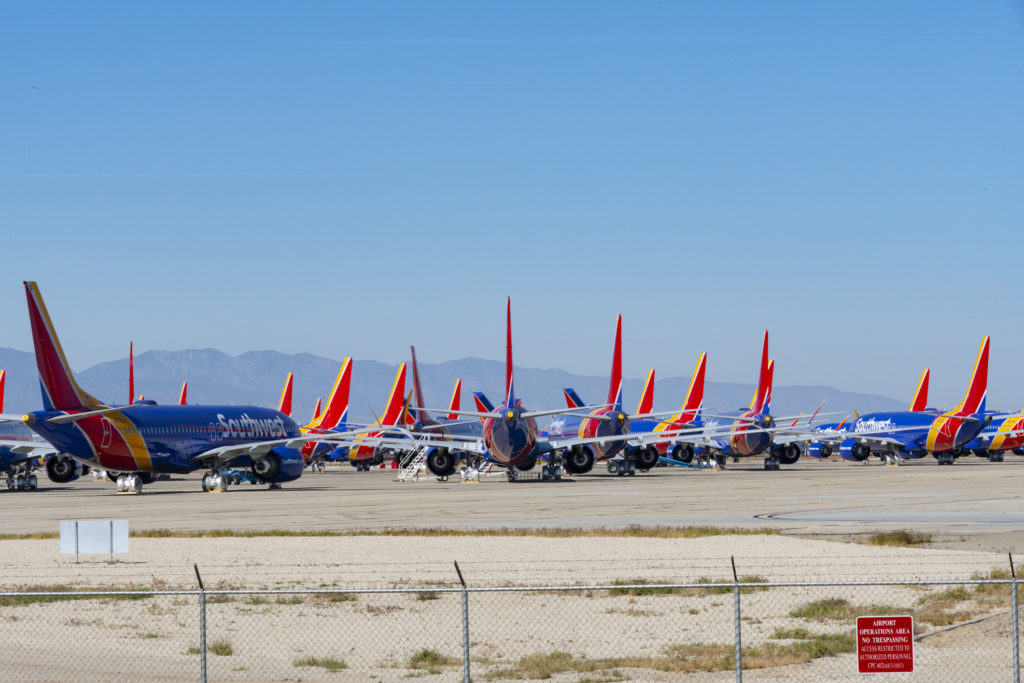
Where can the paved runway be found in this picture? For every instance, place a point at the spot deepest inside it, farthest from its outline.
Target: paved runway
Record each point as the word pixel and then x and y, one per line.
pixel 974 503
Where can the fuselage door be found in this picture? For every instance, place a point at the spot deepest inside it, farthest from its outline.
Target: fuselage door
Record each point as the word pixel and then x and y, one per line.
pixel 107 429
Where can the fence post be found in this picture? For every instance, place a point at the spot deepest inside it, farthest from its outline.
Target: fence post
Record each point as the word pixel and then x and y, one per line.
pixel 736 616
pixel 202 626
pixel 1014 627
pixel 465 626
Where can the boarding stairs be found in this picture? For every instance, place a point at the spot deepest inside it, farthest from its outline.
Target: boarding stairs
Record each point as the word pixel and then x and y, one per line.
pixel 414 465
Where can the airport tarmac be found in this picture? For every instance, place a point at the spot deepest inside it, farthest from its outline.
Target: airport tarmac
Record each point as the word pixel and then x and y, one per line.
pixel 972 505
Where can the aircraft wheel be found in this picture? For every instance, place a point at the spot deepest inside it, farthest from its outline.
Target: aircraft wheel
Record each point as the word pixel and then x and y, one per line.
pixel 33 482
pixel 613 467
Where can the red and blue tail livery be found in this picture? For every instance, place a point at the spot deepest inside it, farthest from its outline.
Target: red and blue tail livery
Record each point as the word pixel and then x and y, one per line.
pixel 141 440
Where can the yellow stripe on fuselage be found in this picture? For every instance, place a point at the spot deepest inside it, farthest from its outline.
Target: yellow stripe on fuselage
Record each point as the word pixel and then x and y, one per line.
pixel 131 435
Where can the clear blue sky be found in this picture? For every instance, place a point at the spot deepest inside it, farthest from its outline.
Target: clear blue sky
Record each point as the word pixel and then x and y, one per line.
pixel 350 178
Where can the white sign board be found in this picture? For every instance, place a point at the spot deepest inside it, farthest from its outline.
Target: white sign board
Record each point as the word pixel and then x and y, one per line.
pixel 93 537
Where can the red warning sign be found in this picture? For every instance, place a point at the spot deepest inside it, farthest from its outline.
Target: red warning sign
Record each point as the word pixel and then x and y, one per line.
pixel 885 644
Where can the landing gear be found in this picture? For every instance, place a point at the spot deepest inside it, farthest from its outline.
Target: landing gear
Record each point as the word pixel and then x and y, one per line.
pixel 771 462
pixel 317 466
pixel 720 461
pixel 622 467
pixel 892 458
pixel 549 472
pixel 22 482
pixel 945 458
pixel 512 474
pixel 995 456
pixel 129 483
pixel 215 482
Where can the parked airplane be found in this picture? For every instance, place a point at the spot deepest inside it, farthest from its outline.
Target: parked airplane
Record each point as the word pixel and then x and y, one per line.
pixel 914 434
pixel 824 449
pixel 141 440
pixel 365 452
pixel 510 433
pixel 1004 433
pixel 21 452
pixel 333 419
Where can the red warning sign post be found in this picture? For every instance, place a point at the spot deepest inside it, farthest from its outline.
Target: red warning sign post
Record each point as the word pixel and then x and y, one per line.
pixel 885 644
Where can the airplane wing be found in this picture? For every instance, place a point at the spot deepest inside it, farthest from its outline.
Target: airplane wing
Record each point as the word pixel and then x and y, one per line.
pixel 29 450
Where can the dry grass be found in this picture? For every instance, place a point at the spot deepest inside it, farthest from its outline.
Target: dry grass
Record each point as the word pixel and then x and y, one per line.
pixel 432 661
pixel 645 587
pixel 898 539
pixel 329 663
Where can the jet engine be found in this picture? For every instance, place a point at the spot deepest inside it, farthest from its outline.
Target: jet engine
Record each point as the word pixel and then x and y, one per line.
pixel 647 457
pixel 787 454
pixel 683 452
pixel 819 449
pixel 440 462
pixel 279 465
pixel 62 469
pixel 852 450
pixel 579 459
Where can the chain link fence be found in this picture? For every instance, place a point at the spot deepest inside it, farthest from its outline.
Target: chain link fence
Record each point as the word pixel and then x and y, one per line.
pixel 747 629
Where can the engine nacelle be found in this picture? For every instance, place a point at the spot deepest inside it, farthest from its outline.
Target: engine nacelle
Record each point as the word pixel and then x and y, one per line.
pixel 578 459
pixel 62 469
pixel 440 462
pixel 645 457
pixel 279 465
pixel 820 449
pixel 527 465
pixel 851 449
pixel 683 452
pixel 787 454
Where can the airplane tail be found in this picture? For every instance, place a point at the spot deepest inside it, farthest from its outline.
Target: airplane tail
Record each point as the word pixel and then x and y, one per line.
pixel 131 372
pixel 646 403
pixel 336 413
pixel 396 401
pixel 59 388
pixel 455 403
pixel 183 396
pixel 762 397
pixel 615 378
pixel 695 394
pixel 572 399
pixel 316 411
pixel 920 400
pixel 483 404
pixel 510 394
pixel 421 414
pixel 974 400
pixel 3 382
pixel 768 393
pixel 285 404
pixel 407 418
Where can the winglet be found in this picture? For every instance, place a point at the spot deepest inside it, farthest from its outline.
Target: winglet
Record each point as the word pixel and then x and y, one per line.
pixel 336 412
pixel 920 400
pixel 510 395
pixel 762 397
pixel 131 372
pixel 974 400
pixel 646 403
pixel 285 404
pixel 615 379
pixel 183 396
pixel 60 390
pixel 455 403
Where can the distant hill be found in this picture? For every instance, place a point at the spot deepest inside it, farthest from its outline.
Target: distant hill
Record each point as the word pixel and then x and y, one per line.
pixel 257 377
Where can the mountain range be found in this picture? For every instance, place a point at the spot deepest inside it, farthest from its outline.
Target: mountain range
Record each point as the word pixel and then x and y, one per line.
pixel 257 377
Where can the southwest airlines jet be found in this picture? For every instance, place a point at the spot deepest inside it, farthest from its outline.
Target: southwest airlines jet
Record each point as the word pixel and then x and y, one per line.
pixel 142 440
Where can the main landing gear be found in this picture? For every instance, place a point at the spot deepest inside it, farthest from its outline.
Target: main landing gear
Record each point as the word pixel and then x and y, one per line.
pixel 129 483
pixel 549 472
pixel 622 467
pixel 215 482
pixel 995 456
pixel 771 462
pixel 945 458
pixel 512 474
pixel 22 482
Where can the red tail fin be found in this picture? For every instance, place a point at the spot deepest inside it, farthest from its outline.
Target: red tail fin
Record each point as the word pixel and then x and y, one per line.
pixel 316 411
pixel 60 390
pixel 131 372
pixel 3 382
pixel 615 379
pixel 695 394
pixel 764 380
pixel 285 404
pixel 510 397
pixel 393 411
pixel 337 402
pixel 416 386
pixel 920 400
pixel 455 403
pixel 974 400
pixel 646 404
pixel 183 396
